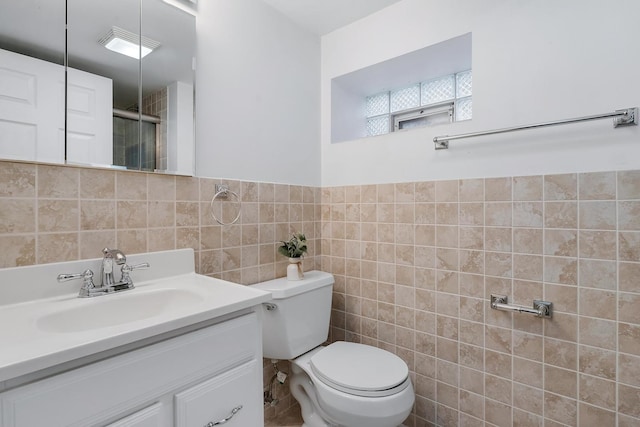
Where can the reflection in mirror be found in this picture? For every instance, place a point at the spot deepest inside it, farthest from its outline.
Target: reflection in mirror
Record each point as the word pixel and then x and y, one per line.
pixel 144 119
pixel 32 80
pixel 168 84
pixel 111 119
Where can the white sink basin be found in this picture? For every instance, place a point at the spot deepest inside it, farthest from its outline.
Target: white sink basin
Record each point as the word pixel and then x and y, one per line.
pixel 43 323
pixel 110 310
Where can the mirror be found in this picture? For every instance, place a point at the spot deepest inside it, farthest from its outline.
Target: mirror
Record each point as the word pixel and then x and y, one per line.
pixel 120 111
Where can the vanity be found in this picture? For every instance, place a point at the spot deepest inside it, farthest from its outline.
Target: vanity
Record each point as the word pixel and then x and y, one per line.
pixel 180 349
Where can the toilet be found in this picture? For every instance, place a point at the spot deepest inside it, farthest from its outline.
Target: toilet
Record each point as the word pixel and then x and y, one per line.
pixel 342 384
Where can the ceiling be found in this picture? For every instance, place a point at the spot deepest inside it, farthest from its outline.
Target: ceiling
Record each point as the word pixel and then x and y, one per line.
pixel 324 16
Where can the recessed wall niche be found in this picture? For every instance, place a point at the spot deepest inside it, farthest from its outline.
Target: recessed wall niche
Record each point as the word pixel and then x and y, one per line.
pixel 349 91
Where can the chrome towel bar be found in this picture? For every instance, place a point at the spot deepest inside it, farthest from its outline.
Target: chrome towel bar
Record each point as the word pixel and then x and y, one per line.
pixel 542 309
pixel 625 117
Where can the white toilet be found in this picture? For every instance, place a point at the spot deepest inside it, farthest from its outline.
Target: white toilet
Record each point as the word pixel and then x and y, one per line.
pixel 343 384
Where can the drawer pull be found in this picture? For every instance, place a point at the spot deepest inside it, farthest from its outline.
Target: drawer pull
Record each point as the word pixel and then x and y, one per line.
pixel 225 420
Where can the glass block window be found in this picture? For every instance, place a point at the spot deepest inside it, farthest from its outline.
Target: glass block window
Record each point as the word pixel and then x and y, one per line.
pixel 438 90
pixel 464 109
pixel 409 107
pixel 404 99
pixel 464 84
pixel 378 104
pixel 378 125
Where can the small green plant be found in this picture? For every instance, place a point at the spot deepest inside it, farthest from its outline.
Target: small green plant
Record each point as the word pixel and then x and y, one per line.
pixel 295 247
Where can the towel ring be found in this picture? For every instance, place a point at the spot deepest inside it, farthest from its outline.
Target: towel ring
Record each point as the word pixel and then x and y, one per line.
pixel 222 191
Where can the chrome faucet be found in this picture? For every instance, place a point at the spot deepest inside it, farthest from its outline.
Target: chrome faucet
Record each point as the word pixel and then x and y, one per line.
pixel 108 284
pixel 111 257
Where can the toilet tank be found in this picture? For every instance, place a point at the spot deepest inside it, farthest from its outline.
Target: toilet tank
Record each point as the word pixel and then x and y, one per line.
pixel 296 320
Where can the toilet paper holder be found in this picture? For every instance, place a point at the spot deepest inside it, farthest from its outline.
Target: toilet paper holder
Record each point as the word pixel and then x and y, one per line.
pixel 540 308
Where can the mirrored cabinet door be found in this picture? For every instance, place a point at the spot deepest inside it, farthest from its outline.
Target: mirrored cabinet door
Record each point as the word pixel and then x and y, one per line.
pixel 32 77
pixel 111 118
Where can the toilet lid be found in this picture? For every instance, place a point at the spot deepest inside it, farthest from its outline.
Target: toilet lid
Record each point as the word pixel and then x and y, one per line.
pixel 360 369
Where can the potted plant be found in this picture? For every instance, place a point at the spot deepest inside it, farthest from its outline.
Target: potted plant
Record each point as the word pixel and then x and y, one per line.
pixel 294 249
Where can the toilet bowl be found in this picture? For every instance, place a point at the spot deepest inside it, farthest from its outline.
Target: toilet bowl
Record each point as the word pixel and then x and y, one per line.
pixel 343 384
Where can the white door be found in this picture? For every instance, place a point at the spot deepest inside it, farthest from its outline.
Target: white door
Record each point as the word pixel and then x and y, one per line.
pixel 31 109
pixel 89 118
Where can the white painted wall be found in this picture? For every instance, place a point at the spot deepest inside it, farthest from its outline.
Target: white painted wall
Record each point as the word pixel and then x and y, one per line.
pixel 258 98
pixel 533 61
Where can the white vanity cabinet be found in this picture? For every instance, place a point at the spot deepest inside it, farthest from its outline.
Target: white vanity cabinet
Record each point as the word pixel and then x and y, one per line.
pixel 201 377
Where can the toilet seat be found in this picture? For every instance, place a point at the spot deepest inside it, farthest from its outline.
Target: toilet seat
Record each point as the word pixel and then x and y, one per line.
pixel 360 370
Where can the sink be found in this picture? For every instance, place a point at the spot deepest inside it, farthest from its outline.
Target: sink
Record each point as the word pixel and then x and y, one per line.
pixel 44 324
pixel 111 310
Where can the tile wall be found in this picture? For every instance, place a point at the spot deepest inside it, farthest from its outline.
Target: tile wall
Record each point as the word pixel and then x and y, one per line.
pixel 415 264
pixel 61 213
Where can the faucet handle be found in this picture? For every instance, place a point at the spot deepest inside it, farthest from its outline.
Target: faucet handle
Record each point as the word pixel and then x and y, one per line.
pixel 86 276
pixel 126 269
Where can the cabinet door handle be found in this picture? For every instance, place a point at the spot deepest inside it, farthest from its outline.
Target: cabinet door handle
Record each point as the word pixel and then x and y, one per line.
pixel 225 420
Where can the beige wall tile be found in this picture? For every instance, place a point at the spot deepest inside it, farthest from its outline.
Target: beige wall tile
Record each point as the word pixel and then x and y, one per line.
pixel 628 308
pixel 561 242
pixel 187 189
pixel 597 215
pixel 559 408
pixel 17 179
pixel 497 413
pixel 629 246
pixel 498 214
pixel 629 338
pixel 561 187
pixel 527 214
pixel 471 190
pixel 58 247
pixel 57 215
pixel 590 415
pixel 598 274
pixel 561 270
pixel 19 215
pixel 497 189
pixel 447 213
pixel 471 214
pixel 596 391
pixel 528 240
pixel 597 303
pixel 131 214
pixel 97 214
pixel 561 215
pixel 597 186
pixel 528 188
pixel 97 184
pixel 131 186
pixel 447 191
pixel 560 381
pixel 161 187
pixel 58 182
pixel 597 362
pixel 597 244
pixel 629 215
pixel 629 185
pixel 598 333
pixel 629 400
pixel 17 250
pixel 497 388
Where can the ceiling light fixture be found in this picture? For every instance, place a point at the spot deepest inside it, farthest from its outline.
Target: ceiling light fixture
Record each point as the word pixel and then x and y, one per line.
pixel 127 43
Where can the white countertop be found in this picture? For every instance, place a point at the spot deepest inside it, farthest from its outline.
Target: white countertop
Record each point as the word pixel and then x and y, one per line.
pixel 30 340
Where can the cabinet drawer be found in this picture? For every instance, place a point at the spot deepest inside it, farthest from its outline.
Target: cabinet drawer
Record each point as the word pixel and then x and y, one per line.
pixel 148 417
pixel 101 391
pixel 232 399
